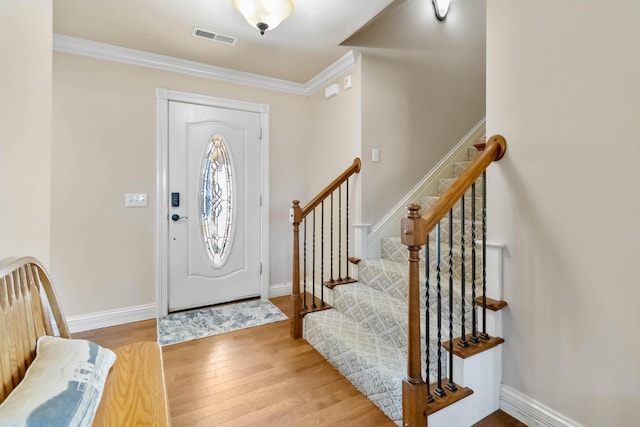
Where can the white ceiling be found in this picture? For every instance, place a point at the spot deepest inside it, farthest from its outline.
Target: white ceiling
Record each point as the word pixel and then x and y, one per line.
pixel 301 47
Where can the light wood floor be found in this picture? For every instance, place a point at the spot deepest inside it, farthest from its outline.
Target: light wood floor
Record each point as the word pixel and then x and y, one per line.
pixel 254 377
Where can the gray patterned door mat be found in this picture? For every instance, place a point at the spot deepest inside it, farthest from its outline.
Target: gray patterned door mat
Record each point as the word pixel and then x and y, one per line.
pixel 190 325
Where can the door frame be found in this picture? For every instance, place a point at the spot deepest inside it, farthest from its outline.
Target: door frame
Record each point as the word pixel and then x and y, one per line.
pixel 163 96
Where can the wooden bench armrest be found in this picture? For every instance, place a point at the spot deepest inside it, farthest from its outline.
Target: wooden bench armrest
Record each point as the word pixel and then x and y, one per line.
pixel 134 393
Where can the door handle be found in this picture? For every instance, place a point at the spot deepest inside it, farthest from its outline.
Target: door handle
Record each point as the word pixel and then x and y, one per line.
pixel 176 217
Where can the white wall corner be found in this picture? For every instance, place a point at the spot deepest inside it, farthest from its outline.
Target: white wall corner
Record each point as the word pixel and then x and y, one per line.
pixel 341 66
pixel 531 412
pixel 360 238
pixel 494 269
pixel 104 319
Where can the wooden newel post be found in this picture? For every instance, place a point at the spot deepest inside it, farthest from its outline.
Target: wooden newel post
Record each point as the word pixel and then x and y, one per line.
pixel 296 320
pixel 414 389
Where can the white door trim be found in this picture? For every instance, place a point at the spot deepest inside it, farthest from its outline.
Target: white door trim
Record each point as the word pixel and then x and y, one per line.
pixel 163 96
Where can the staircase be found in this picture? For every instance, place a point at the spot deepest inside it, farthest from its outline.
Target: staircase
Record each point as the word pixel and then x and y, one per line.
pixel 365 333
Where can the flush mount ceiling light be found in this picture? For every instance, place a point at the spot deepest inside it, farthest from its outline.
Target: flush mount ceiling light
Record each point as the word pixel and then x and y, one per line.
pixel 264 14
pixel 441 7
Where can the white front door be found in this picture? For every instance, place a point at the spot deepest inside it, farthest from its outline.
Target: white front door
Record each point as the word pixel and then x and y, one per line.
pixel 214 213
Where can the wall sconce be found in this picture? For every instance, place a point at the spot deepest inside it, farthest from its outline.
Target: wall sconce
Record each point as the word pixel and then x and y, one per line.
pixel 441 7
pixel 264 14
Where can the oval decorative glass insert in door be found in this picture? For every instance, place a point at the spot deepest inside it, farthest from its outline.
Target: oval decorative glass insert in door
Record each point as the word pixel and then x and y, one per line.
pixel 217 201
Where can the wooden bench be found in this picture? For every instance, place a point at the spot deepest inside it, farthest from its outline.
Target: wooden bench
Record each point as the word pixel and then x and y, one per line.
pixel 134 393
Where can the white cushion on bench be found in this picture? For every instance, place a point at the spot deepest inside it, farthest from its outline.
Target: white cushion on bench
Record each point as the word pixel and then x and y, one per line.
pixel 62 387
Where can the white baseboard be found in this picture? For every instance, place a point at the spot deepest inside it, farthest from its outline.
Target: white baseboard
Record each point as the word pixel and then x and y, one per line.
pixel 531 412
pixel 105 319
pixel 279 290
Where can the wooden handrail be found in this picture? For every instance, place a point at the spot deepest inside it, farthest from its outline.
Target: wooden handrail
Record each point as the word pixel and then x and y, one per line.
pixel 493 151
pixel 414 232
pixel 297 215
pixel 354 168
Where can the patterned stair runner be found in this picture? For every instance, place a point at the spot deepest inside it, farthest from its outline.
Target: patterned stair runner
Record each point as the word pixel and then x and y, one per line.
pixel 365 334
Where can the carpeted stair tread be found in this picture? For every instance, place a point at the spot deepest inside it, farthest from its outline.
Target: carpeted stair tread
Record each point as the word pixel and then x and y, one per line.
pixel 385 275
pixel 429 201
pixel 394 250
pixel 445 183
pixel 460 167
pixel 372 366
pixel 381 312
pixel 472 152
pixel 392 277
pixel 387 316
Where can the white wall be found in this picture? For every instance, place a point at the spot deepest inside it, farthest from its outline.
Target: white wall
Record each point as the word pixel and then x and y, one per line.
pixel 423 89
pixel 104 145
pixel 414 116
pixel 563 87
pixel 334 134
pixel 25 126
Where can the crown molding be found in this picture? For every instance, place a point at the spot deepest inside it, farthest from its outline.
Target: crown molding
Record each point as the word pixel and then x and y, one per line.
pixel 108 52
pixel 333 71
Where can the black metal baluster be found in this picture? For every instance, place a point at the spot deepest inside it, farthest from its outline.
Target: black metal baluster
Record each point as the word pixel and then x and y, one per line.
pixel 347 224
pixel 451 385
pixel 304 263
pixel 322 255
pixel 484 334
pixel 474 315
pixel 439 391
pixel 313 274
pixel 426 322
pixel 332 211
pixel 340 233
pixel 463 340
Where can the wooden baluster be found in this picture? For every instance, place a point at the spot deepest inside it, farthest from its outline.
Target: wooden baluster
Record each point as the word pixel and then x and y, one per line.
pixel 296 321
pixel 414 389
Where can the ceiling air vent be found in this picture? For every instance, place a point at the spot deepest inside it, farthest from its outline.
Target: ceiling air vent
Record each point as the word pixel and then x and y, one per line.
pixel 216 37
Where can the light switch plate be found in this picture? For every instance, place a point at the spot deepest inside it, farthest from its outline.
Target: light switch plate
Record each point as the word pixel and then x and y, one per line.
pixel 136 200
pixel 347 82
pixel 375 155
